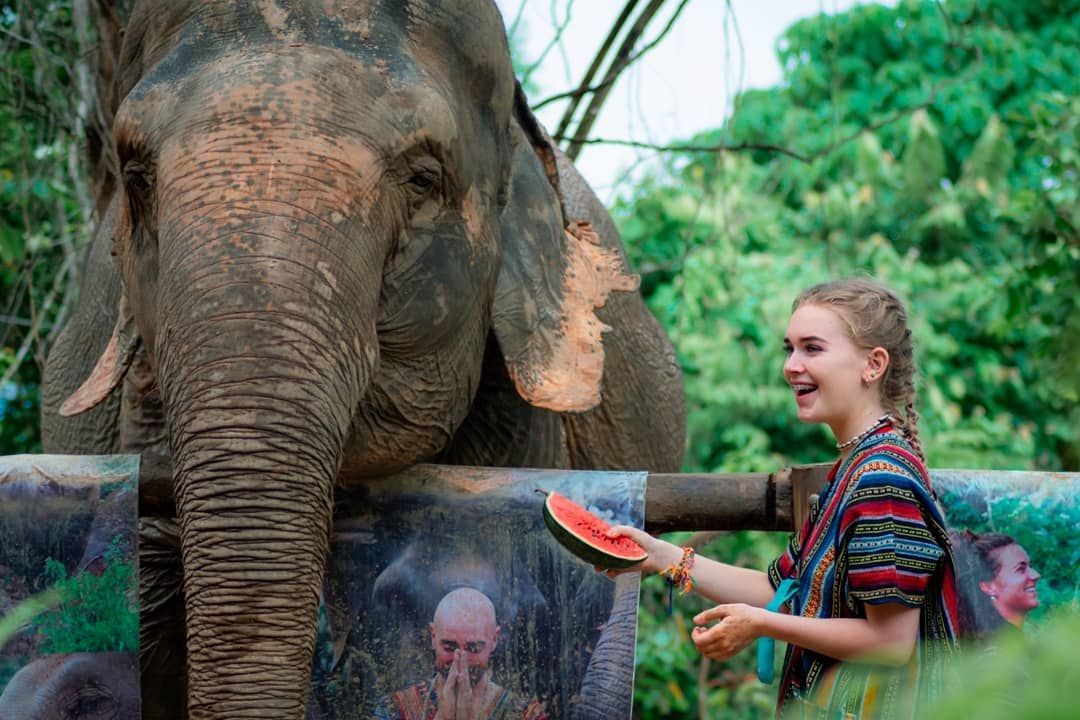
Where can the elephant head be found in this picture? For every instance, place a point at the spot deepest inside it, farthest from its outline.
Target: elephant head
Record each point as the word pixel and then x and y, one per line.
pixel 81 686
pixel 325 211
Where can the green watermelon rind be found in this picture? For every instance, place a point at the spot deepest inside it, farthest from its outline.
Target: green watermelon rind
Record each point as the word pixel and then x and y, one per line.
pixel 585 550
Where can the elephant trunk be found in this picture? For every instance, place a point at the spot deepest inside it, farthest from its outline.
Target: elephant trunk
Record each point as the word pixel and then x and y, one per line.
pixel 260 383
pixel 603 693
pixel 254 529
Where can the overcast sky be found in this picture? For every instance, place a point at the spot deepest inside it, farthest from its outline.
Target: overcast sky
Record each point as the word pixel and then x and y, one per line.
pixel 682 86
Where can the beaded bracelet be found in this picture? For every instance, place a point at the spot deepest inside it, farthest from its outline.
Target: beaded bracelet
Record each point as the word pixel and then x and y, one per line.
pixel 678 576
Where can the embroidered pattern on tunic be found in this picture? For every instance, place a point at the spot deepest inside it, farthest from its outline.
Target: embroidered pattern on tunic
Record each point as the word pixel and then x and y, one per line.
pixel 813 602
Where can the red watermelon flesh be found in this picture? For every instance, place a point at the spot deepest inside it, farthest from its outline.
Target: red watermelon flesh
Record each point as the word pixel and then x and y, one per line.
pixel 585 535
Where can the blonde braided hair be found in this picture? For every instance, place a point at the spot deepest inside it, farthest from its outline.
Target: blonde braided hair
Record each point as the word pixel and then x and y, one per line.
pixel 876 317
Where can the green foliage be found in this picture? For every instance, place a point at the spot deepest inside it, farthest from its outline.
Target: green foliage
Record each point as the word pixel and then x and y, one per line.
pixel 42 199
pixel 97 613
pixel 923 163
pixel 24 611
pixel 19 410
pixel 671 679
pixel 1024 678
pixel 964 203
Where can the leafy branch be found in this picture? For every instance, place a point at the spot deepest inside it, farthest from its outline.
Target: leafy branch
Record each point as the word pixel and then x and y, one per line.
pixel 560 28
pixel 624 57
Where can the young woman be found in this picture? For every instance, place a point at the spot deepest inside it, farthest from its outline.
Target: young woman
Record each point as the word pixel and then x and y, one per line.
pixel 996 581
pixel 872 625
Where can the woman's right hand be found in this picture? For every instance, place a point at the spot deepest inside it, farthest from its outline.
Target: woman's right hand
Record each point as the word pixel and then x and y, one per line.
pixel 662 554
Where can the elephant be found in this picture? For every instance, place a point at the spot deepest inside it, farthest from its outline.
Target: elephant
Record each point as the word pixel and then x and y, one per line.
pixel 338 244
pixel 80 686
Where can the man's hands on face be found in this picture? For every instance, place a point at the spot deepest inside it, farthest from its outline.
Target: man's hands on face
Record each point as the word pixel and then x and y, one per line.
pixel 459 698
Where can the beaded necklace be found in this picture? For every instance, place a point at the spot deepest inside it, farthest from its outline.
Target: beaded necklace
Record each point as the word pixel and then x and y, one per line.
pixel 865 433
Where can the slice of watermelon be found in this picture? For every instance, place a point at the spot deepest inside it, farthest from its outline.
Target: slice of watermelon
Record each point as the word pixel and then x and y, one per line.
pixel 585 535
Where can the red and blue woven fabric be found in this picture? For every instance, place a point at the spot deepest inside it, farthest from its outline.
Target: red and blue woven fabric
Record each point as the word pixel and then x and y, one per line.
pixel 878 536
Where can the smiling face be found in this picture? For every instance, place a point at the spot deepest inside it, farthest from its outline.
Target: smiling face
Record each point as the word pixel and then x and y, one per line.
pixel 465 621
pixel 1012 590
pixel 825 369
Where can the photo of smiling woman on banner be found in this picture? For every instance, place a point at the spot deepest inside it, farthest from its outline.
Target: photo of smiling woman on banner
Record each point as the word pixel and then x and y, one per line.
pixel 997 583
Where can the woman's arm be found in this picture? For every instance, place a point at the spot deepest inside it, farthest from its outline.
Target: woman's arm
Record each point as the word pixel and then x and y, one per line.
pixel 717 581
pixel 886 637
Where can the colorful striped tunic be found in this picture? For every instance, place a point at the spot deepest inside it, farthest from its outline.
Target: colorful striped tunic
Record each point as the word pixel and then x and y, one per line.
pixel 877 536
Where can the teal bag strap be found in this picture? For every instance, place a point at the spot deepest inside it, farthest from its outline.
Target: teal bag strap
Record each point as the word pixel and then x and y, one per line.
pixel 766 646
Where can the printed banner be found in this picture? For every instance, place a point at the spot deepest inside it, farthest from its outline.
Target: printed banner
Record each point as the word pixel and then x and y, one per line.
pixel 448 574
pixel 69 620
pixel 447 577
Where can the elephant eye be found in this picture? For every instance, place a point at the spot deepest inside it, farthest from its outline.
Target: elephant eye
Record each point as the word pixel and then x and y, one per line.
pixel 137 182
pixel 136 176
pixel 423 181
pixel 91 700
pixel 423 190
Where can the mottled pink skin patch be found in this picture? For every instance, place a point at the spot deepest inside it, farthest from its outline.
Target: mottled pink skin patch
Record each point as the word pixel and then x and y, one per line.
pixel 276 18
pixel 353 16
pixel 470 213
pixel 263 161
pixel 568 379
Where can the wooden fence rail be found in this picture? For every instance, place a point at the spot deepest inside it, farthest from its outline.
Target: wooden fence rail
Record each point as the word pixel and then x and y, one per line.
pixel 675 501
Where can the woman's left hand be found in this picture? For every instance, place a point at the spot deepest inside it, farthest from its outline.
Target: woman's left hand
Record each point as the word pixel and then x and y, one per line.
pixel 736 628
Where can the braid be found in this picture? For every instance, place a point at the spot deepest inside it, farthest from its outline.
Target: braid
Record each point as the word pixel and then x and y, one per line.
pixel 911 426
pixel 903 390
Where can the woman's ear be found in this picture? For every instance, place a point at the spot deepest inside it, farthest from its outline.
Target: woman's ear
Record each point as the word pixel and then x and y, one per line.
pixel 988 589
pixel 551 280
pixel 877 362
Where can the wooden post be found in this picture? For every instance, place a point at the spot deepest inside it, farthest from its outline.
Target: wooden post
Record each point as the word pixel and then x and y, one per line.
pixel 807 482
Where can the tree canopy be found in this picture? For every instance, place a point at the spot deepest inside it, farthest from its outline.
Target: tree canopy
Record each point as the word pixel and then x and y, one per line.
pixel 933 145
pixel 937 152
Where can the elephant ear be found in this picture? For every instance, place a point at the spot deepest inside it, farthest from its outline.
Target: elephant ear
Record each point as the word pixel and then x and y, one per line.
pixel 111 366
pixel 553 277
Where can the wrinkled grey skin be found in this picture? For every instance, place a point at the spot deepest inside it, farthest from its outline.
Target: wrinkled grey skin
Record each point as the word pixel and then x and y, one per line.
pixel 81 686
pixel 337 248
pixel 603 692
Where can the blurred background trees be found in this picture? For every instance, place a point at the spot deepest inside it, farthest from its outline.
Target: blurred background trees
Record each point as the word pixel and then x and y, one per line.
pixel 933 145
pixel 45 203
pixel 937 151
